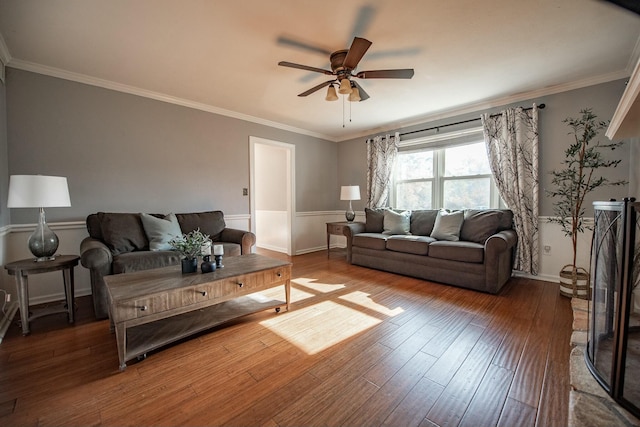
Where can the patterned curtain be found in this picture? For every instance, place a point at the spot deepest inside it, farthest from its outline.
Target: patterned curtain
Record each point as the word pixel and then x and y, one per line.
pixel 512 146
pixel 381 157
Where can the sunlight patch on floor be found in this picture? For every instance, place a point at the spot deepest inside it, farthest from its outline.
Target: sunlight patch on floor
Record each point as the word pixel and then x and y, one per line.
pixel 364 299
pixel 320 326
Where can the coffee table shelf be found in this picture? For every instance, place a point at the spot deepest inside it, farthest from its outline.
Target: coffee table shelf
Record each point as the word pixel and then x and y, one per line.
pixel 152 308
pixel 147 337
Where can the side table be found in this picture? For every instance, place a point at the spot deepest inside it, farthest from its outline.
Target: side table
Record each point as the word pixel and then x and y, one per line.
pixel 23 268
pixel 337 229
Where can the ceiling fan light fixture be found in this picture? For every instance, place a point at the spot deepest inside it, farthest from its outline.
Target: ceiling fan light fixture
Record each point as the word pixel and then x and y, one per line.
pixel 354 96
pixel 331 94
pixel 345 87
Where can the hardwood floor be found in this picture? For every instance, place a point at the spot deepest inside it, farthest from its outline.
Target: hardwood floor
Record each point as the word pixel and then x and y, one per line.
pixel 360 347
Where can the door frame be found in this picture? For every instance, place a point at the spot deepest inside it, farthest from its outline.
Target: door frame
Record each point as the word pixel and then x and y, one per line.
pixel 290 151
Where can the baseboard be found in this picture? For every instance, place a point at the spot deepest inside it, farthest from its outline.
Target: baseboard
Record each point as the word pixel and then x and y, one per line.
pixel 272 248
pixel 542 277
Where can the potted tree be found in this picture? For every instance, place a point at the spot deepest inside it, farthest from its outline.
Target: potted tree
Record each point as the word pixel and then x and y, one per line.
pixel 190 245
pixel 578 178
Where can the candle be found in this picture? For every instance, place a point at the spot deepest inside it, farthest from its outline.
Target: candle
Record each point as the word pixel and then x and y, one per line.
pixel 206 249
pixel 218 250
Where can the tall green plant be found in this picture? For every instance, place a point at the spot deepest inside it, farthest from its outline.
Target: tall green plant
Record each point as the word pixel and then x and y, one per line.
pixel 578 177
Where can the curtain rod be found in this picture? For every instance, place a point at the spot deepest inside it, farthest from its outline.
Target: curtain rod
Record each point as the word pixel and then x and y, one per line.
pixel 541 106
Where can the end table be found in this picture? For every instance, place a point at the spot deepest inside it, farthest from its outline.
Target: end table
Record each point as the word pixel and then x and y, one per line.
pixel 23 268
pixel 337 229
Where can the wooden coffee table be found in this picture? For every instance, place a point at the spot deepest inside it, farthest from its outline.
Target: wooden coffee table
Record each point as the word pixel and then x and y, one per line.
pixel 152 308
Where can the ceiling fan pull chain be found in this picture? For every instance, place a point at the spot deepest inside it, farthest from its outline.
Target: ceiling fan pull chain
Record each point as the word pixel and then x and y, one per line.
pixel 343 110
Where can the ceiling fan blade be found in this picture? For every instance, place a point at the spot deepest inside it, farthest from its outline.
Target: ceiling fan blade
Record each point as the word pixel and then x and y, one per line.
pixel 405 73
pixel 316 88
pixel 356 52
pixel 300 44
pixel 304 67
pixel 363 95
pixel 363 21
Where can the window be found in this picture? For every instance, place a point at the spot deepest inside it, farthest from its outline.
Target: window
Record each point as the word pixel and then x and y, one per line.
pixel 453 175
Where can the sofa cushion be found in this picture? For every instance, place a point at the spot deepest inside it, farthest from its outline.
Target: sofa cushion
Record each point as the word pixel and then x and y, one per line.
pixel 374 220
pixel 211 223
pixel 376 241
pixel 457 251
pixel 160 231
pixel 396 222
pixel 123 232
pixel 479 225
pixel 448 225
pixel 422 221
pixel 418 245
pixel 144 260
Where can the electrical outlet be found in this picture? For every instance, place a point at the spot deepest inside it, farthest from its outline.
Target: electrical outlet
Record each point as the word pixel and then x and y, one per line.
pixel 546 250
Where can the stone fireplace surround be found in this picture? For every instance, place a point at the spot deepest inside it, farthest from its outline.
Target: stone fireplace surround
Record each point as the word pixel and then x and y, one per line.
pixel 589 404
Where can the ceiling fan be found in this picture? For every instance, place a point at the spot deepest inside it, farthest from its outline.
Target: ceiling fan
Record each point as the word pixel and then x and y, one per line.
pixel 343 65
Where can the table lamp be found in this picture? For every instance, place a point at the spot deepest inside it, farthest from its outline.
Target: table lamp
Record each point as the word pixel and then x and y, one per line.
pixel 350 192
pixel 39 191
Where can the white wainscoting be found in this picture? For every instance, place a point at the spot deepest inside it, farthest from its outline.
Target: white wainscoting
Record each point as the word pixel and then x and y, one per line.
pixel 310 235
pixel 47 287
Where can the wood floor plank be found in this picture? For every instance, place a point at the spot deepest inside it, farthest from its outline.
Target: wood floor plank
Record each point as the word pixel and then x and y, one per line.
pixel 527 382
pixel 359 347
pixel 414 407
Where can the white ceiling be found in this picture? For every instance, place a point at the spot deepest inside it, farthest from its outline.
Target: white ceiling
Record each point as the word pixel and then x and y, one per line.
pixel 222 55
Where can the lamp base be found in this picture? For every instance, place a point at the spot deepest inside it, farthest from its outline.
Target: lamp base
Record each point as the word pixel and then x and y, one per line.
pixel 43 243
pixel 350 215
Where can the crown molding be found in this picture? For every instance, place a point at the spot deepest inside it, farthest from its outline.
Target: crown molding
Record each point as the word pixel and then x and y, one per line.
pixel 495 102
pixel 107 84
pixel 444 114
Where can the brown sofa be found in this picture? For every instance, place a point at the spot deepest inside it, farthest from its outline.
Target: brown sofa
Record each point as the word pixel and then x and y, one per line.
pixel 480 257
pixel 117 243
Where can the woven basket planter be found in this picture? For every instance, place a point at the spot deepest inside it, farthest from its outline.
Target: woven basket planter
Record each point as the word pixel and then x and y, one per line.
pixel 574 283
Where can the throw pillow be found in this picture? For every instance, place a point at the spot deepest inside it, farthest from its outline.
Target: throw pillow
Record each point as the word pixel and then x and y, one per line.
pixel 448 225
pixel 123 232
pixel 160 230
pixel 396 222
pixel 374 219
pixel 479 225
pixel 422 221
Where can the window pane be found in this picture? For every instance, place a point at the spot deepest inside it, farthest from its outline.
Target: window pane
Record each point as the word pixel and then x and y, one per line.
pixel 414 165
pixel 414 195
pixel 466 160
pixel 467 193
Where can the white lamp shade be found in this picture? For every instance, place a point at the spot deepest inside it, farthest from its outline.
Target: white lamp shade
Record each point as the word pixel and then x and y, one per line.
pixel 350 192
pixel 38 191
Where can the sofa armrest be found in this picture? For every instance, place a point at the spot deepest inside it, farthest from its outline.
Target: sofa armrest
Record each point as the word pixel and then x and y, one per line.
pixel 349 231
pixel 245 239
pixel 95 255
pixel 500 242
pixel 498 257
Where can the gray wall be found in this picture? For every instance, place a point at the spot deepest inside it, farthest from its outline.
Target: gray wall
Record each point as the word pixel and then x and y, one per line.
pixel 4 161
pixel 126 153
pixel 553 139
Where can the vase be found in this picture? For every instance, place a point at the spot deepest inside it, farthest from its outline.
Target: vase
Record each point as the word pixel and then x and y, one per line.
pixel 207 265
pixel 189 265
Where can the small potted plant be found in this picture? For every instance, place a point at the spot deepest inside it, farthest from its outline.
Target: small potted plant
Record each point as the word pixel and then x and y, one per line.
pixel 189 245
pixel 572 183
